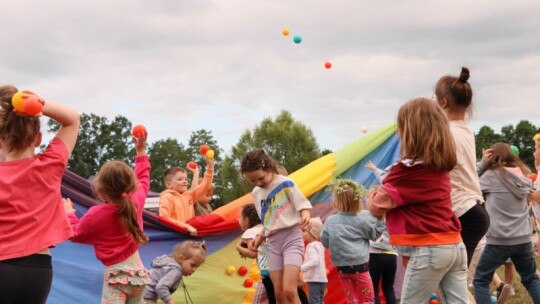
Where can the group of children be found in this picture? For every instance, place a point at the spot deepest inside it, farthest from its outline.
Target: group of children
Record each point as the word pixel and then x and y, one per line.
pixel 34 216
pixel 431 206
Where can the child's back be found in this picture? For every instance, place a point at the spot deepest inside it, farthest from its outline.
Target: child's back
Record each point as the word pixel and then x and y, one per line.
pixel 415 197
pixel 507 206
pixel 347 236
pixel 31 215
pixel 509 235
pixel 100 226
pixel 115 228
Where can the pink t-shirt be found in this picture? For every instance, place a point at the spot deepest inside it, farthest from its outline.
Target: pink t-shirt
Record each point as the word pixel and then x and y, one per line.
pixel 101 225
pixel 32 215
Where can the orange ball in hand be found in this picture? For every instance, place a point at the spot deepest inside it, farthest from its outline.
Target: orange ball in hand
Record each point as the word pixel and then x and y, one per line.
pixel 204 149
pixel 192 165
pixel 138 130
pixel 32 106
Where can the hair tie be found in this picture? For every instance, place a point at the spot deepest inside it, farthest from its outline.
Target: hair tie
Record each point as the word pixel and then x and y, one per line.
pixel 124 195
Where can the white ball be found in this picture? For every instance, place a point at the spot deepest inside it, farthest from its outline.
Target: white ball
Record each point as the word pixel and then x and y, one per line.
pixel 364 129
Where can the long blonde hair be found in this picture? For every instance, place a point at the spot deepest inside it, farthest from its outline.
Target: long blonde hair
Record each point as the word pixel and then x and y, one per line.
pixel 425 134
pixel 115 181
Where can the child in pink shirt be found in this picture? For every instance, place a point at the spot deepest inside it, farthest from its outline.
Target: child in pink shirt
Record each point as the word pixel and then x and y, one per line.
pixel 31 216
pixel 115 229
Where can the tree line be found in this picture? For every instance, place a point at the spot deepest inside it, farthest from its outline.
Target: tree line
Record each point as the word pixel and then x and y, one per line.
pixel 287 140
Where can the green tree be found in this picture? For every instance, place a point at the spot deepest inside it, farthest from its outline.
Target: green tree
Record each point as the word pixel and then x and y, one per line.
pixel 486 137
pixel 520 136
pixel 288 141
pixel 163 154
pixel 99 140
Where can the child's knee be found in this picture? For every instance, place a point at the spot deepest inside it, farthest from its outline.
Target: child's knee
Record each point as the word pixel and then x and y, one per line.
pixel 290 293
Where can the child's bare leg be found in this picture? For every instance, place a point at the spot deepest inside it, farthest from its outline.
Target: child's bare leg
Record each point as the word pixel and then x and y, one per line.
pixel 509 273
pixel 286 284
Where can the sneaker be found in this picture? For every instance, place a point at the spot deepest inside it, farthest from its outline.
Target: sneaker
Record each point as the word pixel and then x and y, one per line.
pixel 504 294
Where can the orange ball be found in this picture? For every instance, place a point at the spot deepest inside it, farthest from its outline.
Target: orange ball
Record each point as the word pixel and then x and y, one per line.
pixel 433 301
pixel 328 64
pixel 32 106
pixel 192 165
pixel 138 130
pixel 533 176
pixel 17 101
pixel 204 149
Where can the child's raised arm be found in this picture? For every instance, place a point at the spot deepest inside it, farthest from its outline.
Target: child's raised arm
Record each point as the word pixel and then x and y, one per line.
pixel 68 119
pixel 206 183
pixel 142 171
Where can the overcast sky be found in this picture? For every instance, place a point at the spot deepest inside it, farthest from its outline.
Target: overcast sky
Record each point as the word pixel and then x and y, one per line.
pixel 180 66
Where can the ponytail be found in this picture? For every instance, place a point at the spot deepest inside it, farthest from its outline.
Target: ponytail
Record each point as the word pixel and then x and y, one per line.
pixel 113 182
pixel 128 216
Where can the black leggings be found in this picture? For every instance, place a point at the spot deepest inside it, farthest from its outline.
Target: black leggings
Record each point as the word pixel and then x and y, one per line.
pixel 382 267
pixel 267 282
pixel 474 225
pixel 26 280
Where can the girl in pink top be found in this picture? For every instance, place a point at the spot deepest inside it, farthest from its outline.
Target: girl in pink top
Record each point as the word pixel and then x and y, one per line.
pixel 115 227
pixel 31 216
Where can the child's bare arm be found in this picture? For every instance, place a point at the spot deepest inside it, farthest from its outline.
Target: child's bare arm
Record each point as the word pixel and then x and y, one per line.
pixel 305 215
pixel 68 119
pixel 245 252
pixel 206 183
pixel 195 179
pixel 371 166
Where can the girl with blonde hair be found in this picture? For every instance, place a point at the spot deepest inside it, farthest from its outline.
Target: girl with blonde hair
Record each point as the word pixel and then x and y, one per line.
pixel 415 196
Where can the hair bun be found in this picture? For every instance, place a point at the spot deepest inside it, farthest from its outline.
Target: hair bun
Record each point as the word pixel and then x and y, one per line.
pixel 464 75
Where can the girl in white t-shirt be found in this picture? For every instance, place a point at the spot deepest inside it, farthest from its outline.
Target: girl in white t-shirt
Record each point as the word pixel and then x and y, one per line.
pixel 284 213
